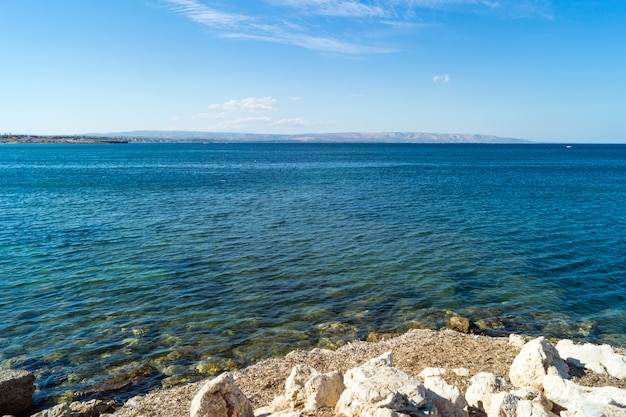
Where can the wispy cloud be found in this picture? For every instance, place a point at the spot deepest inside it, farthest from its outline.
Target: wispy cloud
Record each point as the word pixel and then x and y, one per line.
pixel 250 104
pixel 349 27
pixel 343 8
pixel 200 13
pixel 441 79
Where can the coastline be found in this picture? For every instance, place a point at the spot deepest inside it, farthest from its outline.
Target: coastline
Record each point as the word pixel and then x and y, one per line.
pixel 413 351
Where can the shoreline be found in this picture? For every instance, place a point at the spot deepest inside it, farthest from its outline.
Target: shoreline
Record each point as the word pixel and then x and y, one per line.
pixel 412 351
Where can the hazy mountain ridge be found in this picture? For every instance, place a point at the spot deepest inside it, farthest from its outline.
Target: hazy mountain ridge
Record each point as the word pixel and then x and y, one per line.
pixel 386 137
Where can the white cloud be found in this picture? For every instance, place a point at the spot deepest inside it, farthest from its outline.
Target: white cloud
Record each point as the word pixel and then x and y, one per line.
pixel 441 79
pixel 343 8
pixel 350 27
pixel 246 105
pixel 200 13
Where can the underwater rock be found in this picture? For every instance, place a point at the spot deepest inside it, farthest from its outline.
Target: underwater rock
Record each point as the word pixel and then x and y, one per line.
pixel 460 324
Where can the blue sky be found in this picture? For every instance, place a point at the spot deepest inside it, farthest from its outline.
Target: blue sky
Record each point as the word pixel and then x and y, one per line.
pixel 535 69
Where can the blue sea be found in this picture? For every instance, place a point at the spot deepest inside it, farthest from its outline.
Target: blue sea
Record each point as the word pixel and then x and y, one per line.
pixel 163 263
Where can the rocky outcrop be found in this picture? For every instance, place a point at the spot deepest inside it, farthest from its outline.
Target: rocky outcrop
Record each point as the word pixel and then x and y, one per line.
pixel 220 397
pixel 446 398
pixel 307 389
pixel 540 388
pixel 537 359
pixel 16 391
pixel 376 389
pixel 543 387
pixel 598 358
pixel 585 401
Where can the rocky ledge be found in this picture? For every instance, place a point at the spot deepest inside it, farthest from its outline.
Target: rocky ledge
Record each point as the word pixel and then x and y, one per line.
pixel 437 373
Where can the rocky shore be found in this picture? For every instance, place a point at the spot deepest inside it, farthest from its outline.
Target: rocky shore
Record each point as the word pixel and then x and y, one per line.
pixel 492 376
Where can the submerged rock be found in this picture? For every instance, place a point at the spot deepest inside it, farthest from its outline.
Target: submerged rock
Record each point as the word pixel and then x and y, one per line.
pixel 460 324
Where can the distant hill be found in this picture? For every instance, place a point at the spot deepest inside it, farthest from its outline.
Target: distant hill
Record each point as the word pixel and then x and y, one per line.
pixel 350 137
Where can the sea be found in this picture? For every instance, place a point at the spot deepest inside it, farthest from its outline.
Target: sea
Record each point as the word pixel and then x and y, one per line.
pixel 132 266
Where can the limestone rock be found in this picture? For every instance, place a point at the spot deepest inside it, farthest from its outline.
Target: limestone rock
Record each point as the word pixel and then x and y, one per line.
pixel 265 412
pixel 91 408
pixel 483 386
pixel 220 397
pixel 537 359
pixel 598 358
pixel 323 390
pixel 510 405
pixel 526 393
pixel 375 389
pixel 430 372
pixel 295 395
pixel 446 398
pixel 16 391
pixel 61 410
pixel 596 410
pixel 587 401
pixel 516 340
pixel 524 402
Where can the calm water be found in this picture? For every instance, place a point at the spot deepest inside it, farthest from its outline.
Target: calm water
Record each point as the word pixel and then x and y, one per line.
pixel 190 259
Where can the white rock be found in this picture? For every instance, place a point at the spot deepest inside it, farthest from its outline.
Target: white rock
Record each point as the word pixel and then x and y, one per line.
pixel 446 398
pixel 60 410
pixel 323 390
pixel 266 412
pixel 386 359
pixel 537 359
pixel 509 404
pixel 294 386
pixel 483 386
pixel 220 397
pixel 595 410
pixel 587 401
pixel 516 340
pixel 461 371
pixel 429 372
pixel 526 393
pixel 378 390
pixel 598 358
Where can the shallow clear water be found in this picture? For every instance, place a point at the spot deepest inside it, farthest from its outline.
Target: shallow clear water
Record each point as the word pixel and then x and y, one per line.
pixel 193 258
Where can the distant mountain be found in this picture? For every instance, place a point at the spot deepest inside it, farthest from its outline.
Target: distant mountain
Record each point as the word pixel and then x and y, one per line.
pixel 350 137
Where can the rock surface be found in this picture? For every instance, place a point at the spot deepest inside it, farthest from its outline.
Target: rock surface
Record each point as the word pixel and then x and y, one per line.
pixel 598 358
pixel 220 397
pixel 16 391
pixel 461 356
pixel 446 398
pixel 61 410
pixel 375 389
pixel 587 401
pixel 537 359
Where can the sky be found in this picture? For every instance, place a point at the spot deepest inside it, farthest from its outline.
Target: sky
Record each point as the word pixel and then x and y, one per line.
pixel 542 70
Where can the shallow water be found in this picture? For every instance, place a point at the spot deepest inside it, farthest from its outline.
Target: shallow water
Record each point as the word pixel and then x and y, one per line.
pixel 193 258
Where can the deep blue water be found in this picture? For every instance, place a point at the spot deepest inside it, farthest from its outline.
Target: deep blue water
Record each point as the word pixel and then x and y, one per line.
pixel 192 258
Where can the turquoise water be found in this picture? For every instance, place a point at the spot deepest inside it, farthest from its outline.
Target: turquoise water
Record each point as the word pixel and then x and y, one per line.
pixel 187 259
